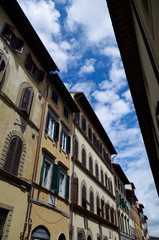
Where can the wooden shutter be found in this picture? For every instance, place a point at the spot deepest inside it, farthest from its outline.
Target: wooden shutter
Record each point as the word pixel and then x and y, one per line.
pixel 7 31
pixel 97 173
pixel 61 137
pixel 28 63
pixel 47 123
pixel 76 148
pixel 26 99
pixel 91 202
pixel 18 45
pixel 98 206
pixel 102 178
pixel 106 181
pixel 42 170
pixel 84 197
pixel 56 131
pixel 90 165
pixel 102 208
pixel 40 75
pixel 13 155
pixel 67 187
pixel 107 211
pixel 68 143
pixel 75 190
pixel 84 157
pixel 55 178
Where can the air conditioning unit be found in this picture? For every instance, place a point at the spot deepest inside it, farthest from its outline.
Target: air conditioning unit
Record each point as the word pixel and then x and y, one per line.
pixel 52 200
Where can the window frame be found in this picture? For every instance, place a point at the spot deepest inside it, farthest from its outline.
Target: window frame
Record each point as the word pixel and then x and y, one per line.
pixel 65 140
pixel 26 109
pixel 66 113
pixel 11 39
pixel 57 96
pixel 54 131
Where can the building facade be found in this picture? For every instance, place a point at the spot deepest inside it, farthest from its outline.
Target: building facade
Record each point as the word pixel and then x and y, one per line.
pixel 122 205
pixel 138 45
pixel 93 205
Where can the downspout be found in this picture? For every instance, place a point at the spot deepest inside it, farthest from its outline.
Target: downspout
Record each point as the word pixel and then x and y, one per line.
pixel 72 178
pixel 28 220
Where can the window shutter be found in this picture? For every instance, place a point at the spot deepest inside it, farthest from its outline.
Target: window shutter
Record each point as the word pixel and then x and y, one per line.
pixel 55 178
pixel 42 170
pixel 13 155
pixel 61 137
pixel 68 143
pixel 18 45
pixel 56 131
pixel 17 156
pixel 28 63
pixel 40 75
pixel 7 31
pixel 26 99
pixel 91 202
pixel 47 123
pixel 75 190
pixel 67 187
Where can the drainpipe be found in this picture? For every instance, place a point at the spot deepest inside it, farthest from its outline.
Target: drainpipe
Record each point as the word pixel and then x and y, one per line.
pixel 28 220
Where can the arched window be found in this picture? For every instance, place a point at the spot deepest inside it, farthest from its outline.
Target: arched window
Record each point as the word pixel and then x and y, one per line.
pixel 102 177
pixel 112 215
pixel 98 206
pixel 97 171
pixel 13 155
pixel 107 211
pixel 90 164
pixel 91 202
pixel 75 190
pixel 84 124
pixel 62 237
pixel 84 157
pixel 26 100
pixel 76 148
pixel 106 181
pixel 84 204
pixel 102 208
pixel 40 232
pixel 90 134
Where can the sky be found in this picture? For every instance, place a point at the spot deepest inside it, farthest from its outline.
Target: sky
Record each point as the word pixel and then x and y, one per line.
pixel 79 36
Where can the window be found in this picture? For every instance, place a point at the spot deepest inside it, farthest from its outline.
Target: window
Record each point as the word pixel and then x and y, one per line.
pixel 100 148
pixel 97 171
pixel 54 97
pixel 26 100
pixel 77 117
pixel 94 140
pixel 75 190
pixel 107 211
pixel 91 202
pixel 84 157
pixel 76 148
pixel 66 113
pixel 52 126
pixel 40 232
pixel 90 134
pixel 81 235
pixel 98 206
pixel 102 177
pixel 36 73
pixel 65 141
pixel 112 215
pixel 84 204
pixel 84 124
pixel 16 43
pixel 13 155
pixel 3 65
pixel 54 177
pixel 106 181
pixel 3 216
pixel 91 165
pixel 102 208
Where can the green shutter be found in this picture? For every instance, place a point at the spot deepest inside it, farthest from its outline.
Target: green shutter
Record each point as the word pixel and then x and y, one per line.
pixel 67 188
pixel 55 178
pixel 47 123
pixel 42 169
pixel 56 131
pixel 61 137
pixel 68 143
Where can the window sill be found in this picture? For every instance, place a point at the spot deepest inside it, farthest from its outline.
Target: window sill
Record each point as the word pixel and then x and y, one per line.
pixel 8 44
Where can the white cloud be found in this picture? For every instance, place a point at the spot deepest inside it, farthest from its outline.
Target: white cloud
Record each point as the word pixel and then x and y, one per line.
pixel 92 16
pixel 86 87
pixel 111 51
pixel 88 67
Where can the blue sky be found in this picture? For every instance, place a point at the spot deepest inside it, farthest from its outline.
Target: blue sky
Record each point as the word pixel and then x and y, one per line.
pixel 78 35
